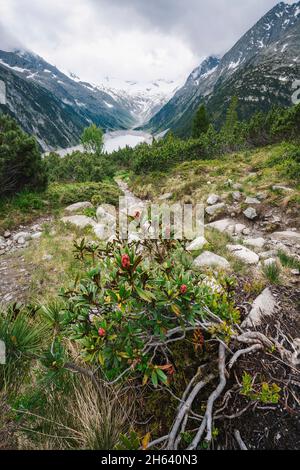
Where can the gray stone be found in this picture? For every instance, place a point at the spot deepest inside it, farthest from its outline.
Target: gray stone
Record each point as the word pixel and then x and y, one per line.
pixel 250 213
pixel 47 258
pixel 268 254
pixel 295 272
pixel 213 199
pixel 244 254
pixel 263 306
pixel 237 196
pixel 80 221
pixel 279 187
pixel 7 234
pixel 237 186
pixel 252 200
pixel 197 244
pixel 78 206
pixel 270 262
pixel 221 225
pixel 213 210
pixel 239 228
pixel 209 259
pixel 288 235
pixel 246 231
pixel 255 242
pixel 36 236
pixel 24 235
pixel 165 197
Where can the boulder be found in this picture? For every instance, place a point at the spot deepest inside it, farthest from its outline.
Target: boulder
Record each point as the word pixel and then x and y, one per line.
pixel 197 244
pixel 213 210
pixel 78 207
pixel 244 254
pixel 221 225
pixel 250 213
pixel 263 306
pixel 209 259
pixel 80 221
pixel 213 199
pixel 288 235
pixel 236 195
pixel 255 242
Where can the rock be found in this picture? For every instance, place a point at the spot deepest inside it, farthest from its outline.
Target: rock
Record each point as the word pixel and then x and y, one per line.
pixel 221 225
pixel 236 195
pixel 133 238
pixel 23 235
pixel 106 215
pixel 252 200
pixel 288 235
pixel 47 258
pixel 165 197
pixel 213 210
pixel 213 284
pixel 279 187
pixel 80 221
pixel 239 228
pixel 36 236
pixel 250 213
pixel 7 234
pixel 237 186
pixel 2 242
pixel 246 231
pixel 209 259
pixel 255 242
pixel 268 254
pixel 263 306
pixel 78 207
pixel 295 272
pixel 213 199
pixel 261 196
pixel 100 231
pixel 244 254
pixel 36 228
pixel 197 244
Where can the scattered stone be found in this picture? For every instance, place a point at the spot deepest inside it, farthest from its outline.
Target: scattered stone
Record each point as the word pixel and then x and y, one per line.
pixel 213 210
pixel 213 284
pixel 213 199
pixel 261 196
pixel 255 242
pixel 237 186
pixel 221 225
pixel 23 235
pixel 236 195
pixel 279 187
pixel 7 234
pixel 36 236
pixel 197 244
pixel 80 221
pixel 106 214
pixel 78 207
pixel 252 200
pixel 21 241
pixel 264 305
pixel 250 213
pixel 244 254
pixel 209 259
pixel 239 228
pixel 246 231
pixel 268 254
pixel 47 258
pixel 295 272
pixel 288 235
pixel 165 197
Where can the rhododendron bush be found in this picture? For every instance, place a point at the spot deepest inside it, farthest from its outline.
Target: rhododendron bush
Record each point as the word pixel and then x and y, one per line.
pixel 134 302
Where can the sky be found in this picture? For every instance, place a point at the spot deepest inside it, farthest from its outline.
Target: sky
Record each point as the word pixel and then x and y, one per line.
pixel 127 39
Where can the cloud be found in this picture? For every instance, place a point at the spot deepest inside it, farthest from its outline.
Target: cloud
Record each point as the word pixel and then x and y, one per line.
pixel 129 39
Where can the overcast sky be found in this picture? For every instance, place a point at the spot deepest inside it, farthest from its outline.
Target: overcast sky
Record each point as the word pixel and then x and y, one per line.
pixel 128 39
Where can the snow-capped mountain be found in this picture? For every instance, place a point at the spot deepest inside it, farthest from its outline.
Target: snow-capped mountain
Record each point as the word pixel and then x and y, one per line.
pixel 141 99
pixel 260 69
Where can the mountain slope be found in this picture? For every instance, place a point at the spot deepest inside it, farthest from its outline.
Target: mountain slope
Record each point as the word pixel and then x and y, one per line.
pixel 82 102
pixel 252 70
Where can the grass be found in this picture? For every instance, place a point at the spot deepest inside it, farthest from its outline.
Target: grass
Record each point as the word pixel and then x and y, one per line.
pixel 272 273
pixel 288 261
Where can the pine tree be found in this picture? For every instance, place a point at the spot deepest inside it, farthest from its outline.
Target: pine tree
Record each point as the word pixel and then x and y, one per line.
pixel 232 115
pixel 200 122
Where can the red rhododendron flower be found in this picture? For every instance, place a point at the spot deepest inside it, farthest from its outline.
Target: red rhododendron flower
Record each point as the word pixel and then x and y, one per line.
pixel 125 261
pixel 183 289
pixel 101 332
pixel 137 215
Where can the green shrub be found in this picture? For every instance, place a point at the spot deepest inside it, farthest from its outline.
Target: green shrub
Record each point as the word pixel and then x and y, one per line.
pixel 21 165
pixel 78 192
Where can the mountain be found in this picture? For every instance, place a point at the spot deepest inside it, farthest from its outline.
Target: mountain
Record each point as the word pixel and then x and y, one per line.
pixel 38 91
pixel 260 70
pixel 141 99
